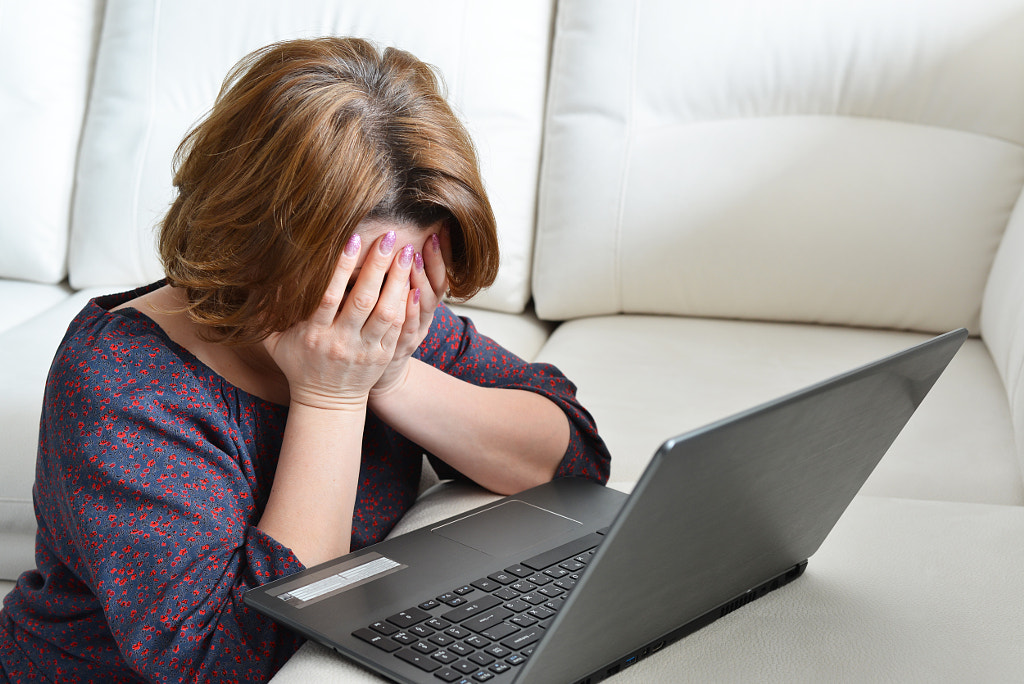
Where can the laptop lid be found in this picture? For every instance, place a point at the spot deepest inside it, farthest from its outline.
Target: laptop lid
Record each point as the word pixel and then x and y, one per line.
pixel 726 508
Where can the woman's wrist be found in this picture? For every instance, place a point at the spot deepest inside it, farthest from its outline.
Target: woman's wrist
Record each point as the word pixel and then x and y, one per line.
pixel 384 395
pixel 314 401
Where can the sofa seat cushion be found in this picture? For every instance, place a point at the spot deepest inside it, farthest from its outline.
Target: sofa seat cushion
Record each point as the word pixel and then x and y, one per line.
pixel 21 300
pixel 647 378
pixel 522 334
pixel 862 619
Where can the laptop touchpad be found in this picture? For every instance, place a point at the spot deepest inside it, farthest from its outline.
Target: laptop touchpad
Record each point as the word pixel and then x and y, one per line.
pixel 507 528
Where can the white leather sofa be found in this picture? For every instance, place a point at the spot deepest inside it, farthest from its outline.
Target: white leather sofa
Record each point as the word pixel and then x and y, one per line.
pixel 703 204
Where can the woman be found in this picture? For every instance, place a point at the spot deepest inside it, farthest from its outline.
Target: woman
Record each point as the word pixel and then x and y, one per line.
pixel 268 405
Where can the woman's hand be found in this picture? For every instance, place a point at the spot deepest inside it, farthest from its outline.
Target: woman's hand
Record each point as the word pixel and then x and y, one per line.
pixel 428 284
pixel 334 358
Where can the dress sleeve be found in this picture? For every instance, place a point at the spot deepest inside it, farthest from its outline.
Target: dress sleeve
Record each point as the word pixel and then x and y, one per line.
pixel 455 346
pixel 155 510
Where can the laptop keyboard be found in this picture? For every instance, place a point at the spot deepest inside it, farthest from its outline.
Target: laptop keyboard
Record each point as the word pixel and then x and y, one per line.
pixel 477 632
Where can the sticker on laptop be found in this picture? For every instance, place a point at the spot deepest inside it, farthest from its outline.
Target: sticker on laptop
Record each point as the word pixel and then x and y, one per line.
pixel 337 579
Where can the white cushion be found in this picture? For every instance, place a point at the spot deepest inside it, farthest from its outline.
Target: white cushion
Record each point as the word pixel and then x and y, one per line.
pixel 821 162
pixel 895 594
pixel 522 334
pixel 21 300
pixel 46 49
pixel 159 70
pixel 1002 319
pixel 648 378
pixel 25 355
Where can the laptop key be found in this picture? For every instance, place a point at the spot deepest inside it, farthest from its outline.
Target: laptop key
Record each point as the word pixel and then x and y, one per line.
pixel 551 592
pixel 408 618
pixel 465 667
pixel 506 594
pixel 420 660
pixel 444 657
pixel 554 605
pixel 447 674
pixel 499 631
pixel 451 598
pixel 489 619
pixel 420 630
pixel 540 612
pixel 523 639
pixel 471 608
pixel 438 624
pixel 503 577
pixel 385 628
pixel 498 651
pixel 485 584
pixel 540 579
pixel 523 621
pixel 378 640
pixel 534 599
pixel 519 571
pixel 517 605
pixel 441 639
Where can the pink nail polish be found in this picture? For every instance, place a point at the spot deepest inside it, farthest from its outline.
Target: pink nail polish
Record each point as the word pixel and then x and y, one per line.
pixel 435 242
pixel 419 261
pixel 405 258
pixel 388 243
pixel 416 296
pixel 352 246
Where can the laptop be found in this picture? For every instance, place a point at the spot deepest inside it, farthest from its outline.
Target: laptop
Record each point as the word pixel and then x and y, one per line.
pixel 571 582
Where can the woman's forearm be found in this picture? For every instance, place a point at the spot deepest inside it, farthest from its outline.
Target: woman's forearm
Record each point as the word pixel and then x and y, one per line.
pixel 504 439
pixel 314 491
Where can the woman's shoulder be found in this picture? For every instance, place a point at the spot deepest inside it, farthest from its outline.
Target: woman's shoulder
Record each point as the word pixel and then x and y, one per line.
pixel 104 343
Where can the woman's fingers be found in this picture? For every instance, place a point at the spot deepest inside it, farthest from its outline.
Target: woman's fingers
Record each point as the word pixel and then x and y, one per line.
pixel 382 321
pixel 433 264
pixel 334 296
pixel 366 290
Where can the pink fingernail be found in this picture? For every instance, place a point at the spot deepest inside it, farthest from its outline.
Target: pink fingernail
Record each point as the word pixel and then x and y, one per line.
pixel 435 241
pixel 405 258
pixel 388 243
pixel 419 261
pixel 416 296
pixel 352 246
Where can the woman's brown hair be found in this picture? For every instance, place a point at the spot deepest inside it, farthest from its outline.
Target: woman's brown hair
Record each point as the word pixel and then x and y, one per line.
pixel 307 139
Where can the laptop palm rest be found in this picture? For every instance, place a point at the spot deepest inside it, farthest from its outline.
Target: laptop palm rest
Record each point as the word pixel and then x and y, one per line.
pixel 507 528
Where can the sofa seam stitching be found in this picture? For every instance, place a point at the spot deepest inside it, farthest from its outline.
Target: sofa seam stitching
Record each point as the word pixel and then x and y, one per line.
pixel 626 154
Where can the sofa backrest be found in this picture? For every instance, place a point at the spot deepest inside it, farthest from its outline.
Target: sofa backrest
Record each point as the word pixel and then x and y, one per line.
pixel 850 162
pixel 47 51
pixel 1002 319
pixel 161 64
